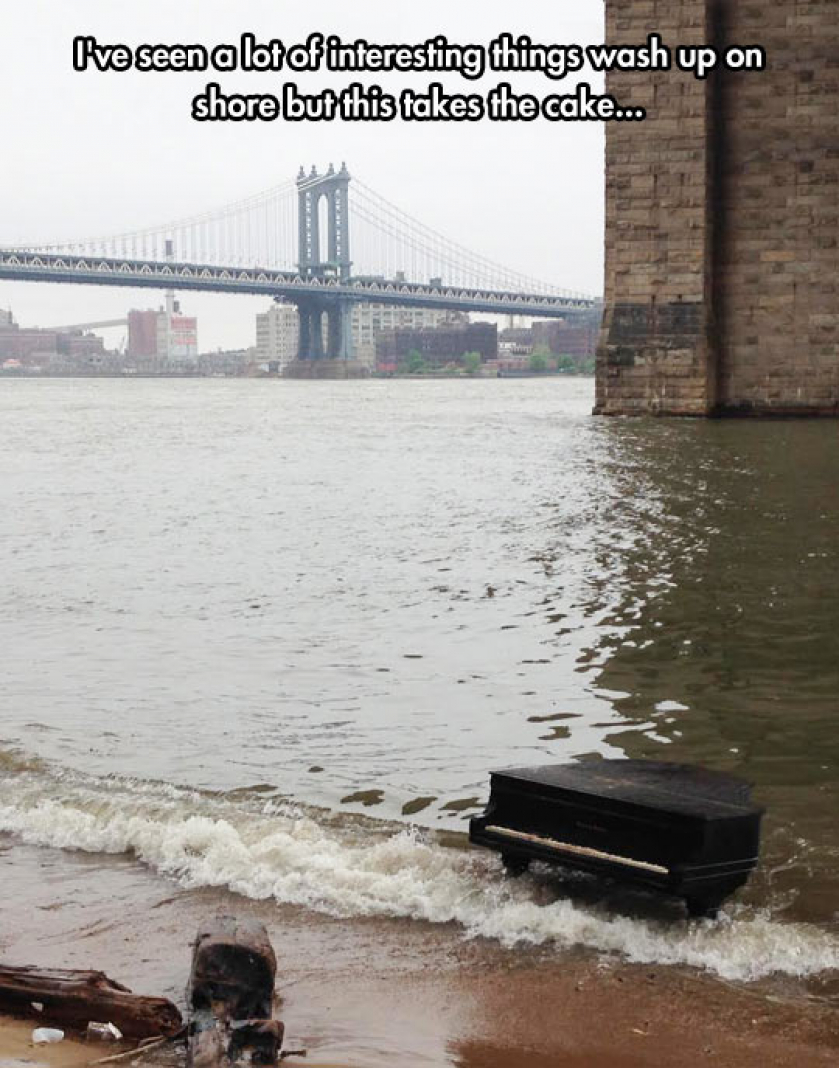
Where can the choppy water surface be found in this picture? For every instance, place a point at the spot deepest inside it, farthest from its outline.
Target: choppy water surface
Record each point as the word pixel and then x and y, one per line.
pixel 235 616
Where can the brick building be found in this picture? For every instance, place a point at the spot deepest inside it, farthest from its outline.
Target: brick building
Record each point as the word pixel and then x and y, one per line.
pixel 47 350
pixel 438 346
pixel 163 339
pixel 142 333
pixel 575 337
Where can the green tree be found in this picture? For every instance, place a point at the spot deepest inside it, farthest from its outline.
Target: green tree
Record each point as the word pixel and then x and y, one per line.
pixel 416 364
pixel 471 362
pixel 566 364
pixel 538 362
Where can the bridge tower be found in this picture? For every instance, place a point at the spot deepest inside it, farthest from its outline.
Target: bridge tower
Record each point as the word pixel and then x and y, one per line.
pixel 322 260
pixel 311 188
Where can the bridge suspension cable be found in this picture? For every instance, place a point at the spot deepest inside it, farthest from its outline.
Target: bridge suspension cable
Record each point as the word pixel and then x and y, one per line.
pixel 259 230
pixel 387 240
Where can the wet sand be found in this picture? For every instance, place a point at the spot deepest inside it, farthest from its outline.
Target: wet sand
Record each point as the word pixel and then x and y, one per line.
pixel 17 1050
pixel 393 992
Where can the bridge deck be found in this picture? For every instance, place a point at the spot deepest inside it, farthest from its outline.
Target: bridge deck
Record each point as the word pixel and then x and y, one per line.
pixel 33 266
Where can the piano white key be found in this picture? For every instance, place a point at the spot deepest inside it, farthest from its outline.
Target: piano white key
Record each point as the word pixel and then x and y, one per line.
pixel 583 851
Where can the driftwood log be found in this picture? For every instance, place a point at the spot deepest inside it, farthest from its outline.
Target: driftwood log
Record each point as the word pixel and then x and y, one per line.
pixel 230 997
pixel 73 998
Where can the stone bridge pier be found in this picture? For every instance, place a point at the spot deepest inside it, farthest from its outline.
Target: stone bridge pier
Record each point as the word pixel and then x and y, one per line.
pixel 722 217
pixel 325 345
pixel 325 329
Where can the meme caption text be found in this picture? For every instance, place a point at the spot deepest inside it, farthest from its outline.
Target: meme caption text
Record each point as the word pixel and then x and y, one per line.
pixel 505 55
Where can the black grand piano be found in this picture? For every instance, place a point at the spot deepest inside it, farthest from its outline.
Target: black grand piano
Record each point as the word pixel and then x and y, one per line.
pixel 685 830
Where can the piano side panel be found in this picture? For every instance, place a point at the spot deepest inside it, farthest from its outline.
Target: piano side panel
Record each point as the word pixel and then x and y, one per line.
pixel 735 838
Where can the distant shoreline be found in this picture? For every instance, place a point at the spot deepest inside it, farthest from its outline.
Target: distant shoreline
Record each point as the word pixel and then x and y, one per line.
pixel 13 375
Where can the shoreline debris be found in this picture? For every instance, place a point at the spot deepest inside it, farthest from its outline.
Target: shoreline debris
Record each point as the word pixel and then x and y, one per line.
pixel 230 997
pixel 71 998
pixel 230 1001
pixel 45 1036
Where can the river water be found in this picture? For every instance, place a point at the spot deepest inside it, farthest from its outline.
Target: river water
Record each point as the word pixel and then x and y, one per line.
pixel 271 636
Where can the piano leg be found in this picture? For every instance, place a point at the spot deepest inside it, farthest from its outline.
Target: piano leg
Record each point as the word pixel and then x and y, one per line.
pixel 514 864
pixel 706 908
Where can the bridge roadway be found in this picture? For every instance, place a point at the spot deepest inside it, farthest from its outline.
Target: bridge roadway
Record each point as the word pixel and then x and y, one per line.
pixel 22 266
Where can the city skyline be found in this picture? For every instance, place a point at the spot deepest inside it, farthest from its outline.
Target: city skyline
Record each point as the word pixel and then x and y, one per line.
pixel 386 339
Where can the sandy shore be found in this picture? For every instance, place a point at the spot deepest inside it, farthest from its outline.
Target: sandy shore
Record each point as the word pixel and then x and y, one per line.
pixel 378 992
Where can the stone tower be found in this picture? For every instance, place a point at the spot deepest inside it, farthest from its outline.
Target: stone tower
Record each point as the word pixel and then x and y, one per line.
pixel 722 217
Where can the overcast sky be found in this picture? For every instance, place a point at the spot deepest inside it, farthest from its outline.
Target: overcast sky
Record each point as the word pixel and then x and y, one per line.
pixel 91 153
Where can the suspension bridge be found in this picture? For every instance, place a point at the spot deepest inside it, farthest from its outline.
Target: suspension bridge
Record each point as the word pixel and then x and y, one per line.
pixel 293 242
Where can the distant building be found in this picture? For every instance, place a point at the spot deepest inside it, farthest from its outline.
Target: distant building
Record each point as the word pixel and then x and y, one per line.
pixel 163 340
pixel 227 362
pixel 438 346
pixel 277 329
pixel 142 334
pixel 515 341
pixel 575 337
pixel 277 332
pixel 79 351
pixel 371 321
pixel 178 338
pixel 33 349
pixel 48 351
pixel 27 347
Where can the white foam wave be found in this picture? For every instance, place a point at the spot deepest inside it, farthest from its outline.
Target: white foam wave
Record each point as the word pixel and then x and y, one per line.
pixel 276 851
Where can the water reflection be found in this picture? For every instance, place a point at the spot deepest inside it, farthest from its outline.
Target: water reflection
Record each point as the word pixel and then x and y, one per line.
pixel 716 600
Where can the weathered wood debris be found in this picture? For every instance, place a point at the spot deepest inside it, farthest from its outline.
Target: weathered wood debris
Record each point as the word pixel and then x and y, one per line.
pixel 72 998
pixel 230 1000
pixel 230 997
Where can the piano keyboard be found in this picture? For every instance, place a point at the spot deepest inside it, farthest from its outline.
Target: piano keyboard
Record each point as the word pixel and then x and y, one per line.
pixel 576 850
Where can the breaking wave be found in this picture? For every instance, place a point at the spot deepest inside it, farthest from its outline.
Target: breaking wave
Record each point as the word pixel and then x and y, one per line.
pixel 270 848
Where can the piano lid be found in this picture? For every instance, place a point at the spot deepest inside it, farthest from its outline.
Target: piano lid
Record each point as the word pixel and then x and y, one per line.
pixel 679 788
